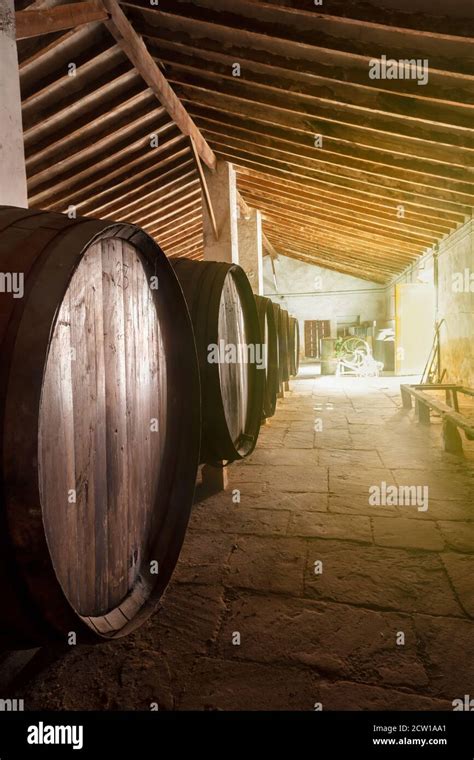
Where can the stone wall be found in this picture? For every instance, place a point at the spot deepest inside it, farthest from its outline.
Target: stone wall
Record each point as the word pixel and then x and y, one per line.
pixel 456 261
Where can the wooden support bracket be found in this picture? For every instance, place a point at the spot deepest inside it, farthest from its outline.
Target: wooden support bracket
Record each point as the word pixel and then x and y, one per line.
pixel 204 188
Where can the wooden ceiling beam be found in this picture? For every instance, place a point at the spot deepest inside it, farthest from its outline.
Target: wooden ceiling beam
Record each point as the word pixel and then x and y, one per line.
pixel 157 203
pixel 340 211
pixel 356 201
pixel 94 183
pixel 427 16
pixel 184 220
pixel 92 66
pixel 342 113
pixel 263 161
pixel 335 251
pixel 320 160
pixel 338 185
pixel 347 220
pixel 109 116
pixel 309 63
pixel 124 136
pixel 328 96
pixel 142 190
pixel 193 230
pixel 346 245
pixel 310 124
pixel 282 226
pixel 34 23
pixel 362 274
pixel 333 151
pixel 134 47
pixel 181 201
pixel 331 260
pixel 446 53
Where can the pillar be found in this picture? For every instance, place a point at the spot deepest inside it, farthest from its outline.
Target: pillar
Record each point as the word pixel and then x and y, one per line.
pixel 222 187
pixel 13 190
pixel 251 248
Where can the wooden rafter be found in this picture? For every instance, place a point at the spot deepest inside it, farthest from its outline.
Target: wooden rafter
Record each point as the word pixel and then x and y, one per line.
pixel 304 73
pixel 34 23
pixel 134 47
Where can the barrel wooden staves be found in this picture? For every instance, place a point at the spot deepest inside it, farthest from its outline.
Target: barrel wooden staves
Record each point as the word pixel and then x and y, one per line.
pixel 283 335
pixel 227 333
pixel 294 346
pixel 266 317
pixel 99 426
pixel 277 318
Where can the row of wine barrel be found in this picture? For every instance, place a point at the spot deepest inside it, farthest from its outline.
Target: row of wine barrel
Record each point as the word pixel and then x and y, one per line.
pixel 280 335
pixel 116 382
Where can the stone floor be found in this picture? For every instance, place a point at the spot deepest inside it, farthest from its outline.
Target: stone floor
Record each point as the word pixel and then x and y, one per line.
pixel 303 594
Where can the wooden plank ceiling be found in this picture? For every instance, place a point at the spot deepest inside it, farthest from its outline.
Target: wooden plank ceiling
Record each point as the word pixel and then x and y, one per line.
pixel 395 171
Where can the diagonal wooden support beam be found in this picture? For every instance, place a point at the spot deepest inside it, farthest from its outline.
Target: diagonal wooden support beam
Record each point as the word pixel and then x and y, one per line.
pixel 33 23
pixel 136 50
pixel 204 188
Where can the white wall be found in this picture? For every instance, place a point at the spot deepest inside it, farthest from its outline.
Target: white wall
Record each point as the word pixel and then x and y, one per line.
pixel 311 292
pixel 455 256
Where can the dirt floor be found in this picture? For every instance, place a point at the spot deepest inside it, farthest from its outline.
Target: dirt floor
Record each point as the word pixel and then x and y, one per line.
pixel 254 621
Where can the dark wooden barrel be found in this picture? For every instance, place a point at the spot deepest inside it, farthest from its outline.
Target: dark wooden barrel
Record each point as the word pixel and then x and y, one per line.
pixel 99 427
pixel 283 336
pixel 224 315
pixel 294 346
pixel 269 335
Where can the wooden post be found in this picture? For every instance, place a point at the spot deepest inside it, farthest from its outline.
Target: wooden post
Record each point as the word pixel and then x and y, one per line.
pixel 13 191
pixel 214 479
pixel 406 398
pixel 451 437
pixel 423 412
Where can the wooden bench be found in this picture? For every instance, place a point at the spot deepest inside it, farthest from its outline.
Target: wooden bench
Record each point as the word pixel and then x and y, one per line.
pixel 452 419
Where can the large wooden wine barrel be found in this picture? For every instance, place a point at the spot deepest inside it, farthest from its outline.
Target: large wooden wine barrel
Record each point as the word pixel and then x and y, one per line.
pixel 99 426
pixel 283 337
pixel 294 346
pixel 227 331
pixel 266 318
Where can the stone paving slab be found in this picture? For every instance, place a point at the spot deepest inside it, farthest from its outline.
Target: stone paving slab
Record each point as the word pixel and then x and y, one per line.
pixel 276 565
pixel 352 696
pixel 235 518
pixel 379 577
pixel 447 487
pixel 344 527
pixel 283 457
pixel 222 685
pixel 338 641
pixel 204 558
pixel 345 458
pixel 291 479
pixel 460 568
pixel 447 647
pixel 458 535
pixel 408 534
